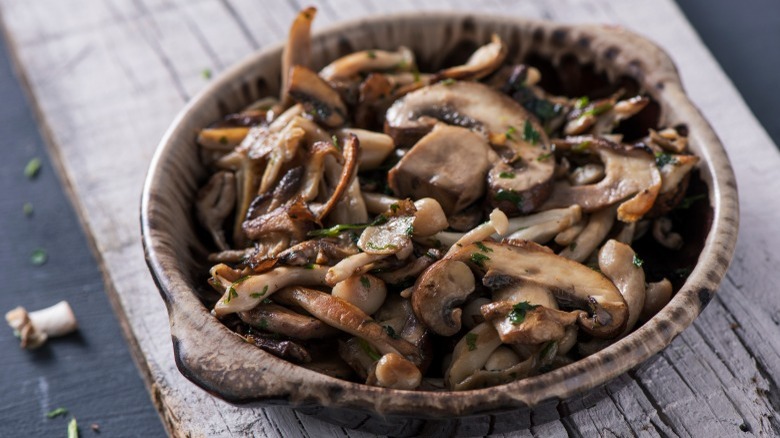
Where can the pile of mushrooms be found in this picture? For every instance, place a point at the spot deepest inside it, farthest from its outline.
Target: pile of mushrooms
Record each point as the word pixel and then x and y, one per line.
pixel 442 231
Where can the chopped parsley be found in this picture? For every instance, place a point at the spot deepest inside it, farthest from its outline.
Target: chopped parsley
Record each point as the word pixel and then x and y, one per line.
pixel 57 412
pixel 335 141
pixel 482 247
pixel 263 324
pixel 267 301
pixel 598 110
pixel 39 257
pixel 335 230
pixel 637 261
pixel 365 282
pixel 582 146
pixel 223 140
pixel 391 332
pixel 510 196
pixel 506 175
pixel 410 230
pixel 519 310
pixel 394 207
pixel 375 247
pixel 663 158
pixel 544 156
pixel 530 134
pixel 371 54
pixel 690 200
pixel 369 350
pixel 582 102
pixel 471 341
pixel 479 259
pixel 27 208
pixel 32 168
pixel 380 220
pixel 260 294
pixel 308 266
pixel 448 81
pixel 231 294
pixel 206 73
pixel 510 131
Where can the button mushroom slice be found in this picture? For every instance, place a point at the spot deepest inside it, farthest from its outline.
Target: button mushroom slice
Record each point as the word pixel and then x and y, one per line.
pixel 348 318
pixel 249 291
pixel 319 100
pixel 481 63
pixel 560 219
pixel 449 164
pixel 285 349
pixel 630 172
pixel 215 202
pixel 492 114
pixel 663 234
pixel 366 292
pixel 471 353
pixel 619 263
pixel 375 147
pixel 297 51
pixel 599 224
pixel 526 313
pixel 222 139
pixel 365 61
pixel 395 372
pixel 429 217
pixel 281 320
pixel 572 284
pixel 658 294
pixel 443 286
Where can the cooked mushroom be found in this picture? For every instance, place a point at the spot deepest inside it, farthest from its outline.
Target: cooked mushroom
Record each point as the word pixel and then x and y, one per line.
pixel 599 224
pixel 34 328
pixel 449 165
pixel 247 292
pixel 351 152
pixel 629 172
pixel 658 294
pixel 481 63
pixel 375 147
pixel 396 372
pixel 368 61
pixel 621 265
pixel 439 291
pixel 366 292
pixel 501 359
pixel 412 269
pixel 297 51
pixel 567 236
pixel 494 115
pixel 590 173
pixel 222 139
pixel 471 353
pixel 559 219
pixel 277 319
pixel 570 282
pixel 348 318
pixel 472 313
pixel 285 349
pixel 216 200
pixel 663 234
pixel 319 100
pixel 675 174
pixel 497 225
pixel 669 140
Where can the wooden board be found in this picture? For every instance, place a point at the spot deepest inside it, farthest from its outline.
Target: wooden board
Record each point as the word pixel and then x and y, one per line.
pixel 108 77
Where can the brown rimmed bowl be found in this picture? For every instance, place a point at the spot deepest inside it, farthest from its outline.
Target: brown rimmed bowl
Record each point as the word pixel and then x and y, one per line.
pixel 572 58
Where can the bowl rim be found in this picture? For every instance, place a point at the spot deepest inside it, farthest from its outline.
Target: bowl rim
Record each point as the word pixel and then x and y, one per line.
pixel 642 343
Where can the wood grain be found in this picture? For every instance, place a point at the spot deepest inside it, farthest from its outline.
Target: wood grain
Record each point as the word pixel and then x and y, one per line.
pixel 108 77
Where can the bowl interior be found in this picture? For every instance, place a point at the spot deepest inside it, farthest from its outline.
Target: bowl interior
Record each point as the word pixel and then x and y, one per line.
pixel 581 60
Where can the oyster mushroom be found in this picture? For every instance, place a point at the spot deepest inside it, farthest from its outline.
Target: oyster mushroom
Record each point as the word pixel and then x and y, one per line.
pixel 366 292
pixel 619 263
pixel 368 61
pixel 675 175
pixel 297 51
pixel 348 318
pixel 34 328
pixel 216 201
pixel 658 294
pixel 375 147
pixel 411 270
pixel 570 282
pixel 247 292
pixel 319 100
pixel 481 63
pixel 281 320
pixel 449 165
pixel 669 140
pixel 567 236
pixel 630 172
pixel 497 224
pixel 315 168
pixel 351 152
pixel 663 234
pixel 285 349
pixel 471 353
pixel 591 236
pixel 493 115
pixel 559 219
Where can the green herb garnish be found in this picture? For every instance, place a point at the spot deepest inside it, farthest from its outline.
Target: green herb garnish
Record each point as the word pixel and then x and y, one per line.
pixel 448 81
pixel 510 131
pixel 365 282
pixel 482 247
pixel 335 141
pixel 368 349
pixel 690 200
pixel 32 168
pixel 582 146
pixel 73 429
pixel 263 324
pixel 39 257
pixel 543 157
pixel 308 266
pixel 410 230
pixel 637 261
pixel 509 195
pixel 371 54
pixel 394 207
pixel 371 245
pixel 223 140
pixel 572 246
pixel 391 332
pixel 56 413
pixel 27 208
pixel 416 74
pixel 598 110
pixel 206 73
pixel 479 259
pixel 506 175
pixel 335 230
pixel 663 158
pixel 530 134
pixel 519 310
pixel 230 295
pixel 260 294
pixel 471 341
pixel 582 102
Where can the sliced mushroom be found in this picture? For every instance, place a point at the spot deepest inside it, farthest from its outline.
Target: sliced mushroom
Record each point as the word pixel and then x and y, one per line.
pixel 658 295
pixel 366 292
pixel 449 165
pixel 350 266
pixel 486 378
pixel 573 285
pixel 396 372
pixel 498 224
pixel 438 292
pixel 281 320
pixel 560 219
pixel 347 177
pixel 591 236
pixel 378 202
pixel 297 51
pixel 289 222
pixel 478 107
pixel 285 349
pixel 319 100
pixel 590 173
pixel 675 175
pixel 481 63
pixel 629 172
pixel 471 353
pixel 663 234
pixel 247 292
pixel 620 264
pixel 315 168
pixel 669 140
pixel 222 139
pixel 411 270
pixel 567 236
pixel 368 61
pixel 348 318
pixel 34 328
pixel 323 251
pixel 215 202
pixel 375 147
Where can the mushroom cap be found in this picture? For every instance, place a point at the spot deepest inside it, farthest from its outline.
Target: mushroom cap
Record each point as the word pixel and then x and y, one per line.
pixel 437 293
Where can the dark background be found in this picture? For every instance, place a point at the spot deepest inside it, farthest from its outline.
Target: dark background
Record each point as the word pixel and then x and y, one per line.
pixel 91 373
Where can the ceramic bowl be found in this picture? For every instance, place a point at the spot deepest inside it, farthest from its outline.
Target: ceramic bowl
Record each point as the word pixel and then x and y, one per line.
pixel 213 358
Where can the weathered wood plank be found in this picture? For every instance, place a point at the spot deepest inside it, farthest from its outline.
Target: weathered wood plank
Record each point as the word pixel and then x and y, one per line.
pixel 108 80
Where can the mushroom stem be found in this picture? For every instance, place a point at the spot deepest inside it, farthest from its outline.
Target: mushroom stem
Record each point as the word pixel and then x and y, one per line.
pixel 34 328
pixel 498 223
